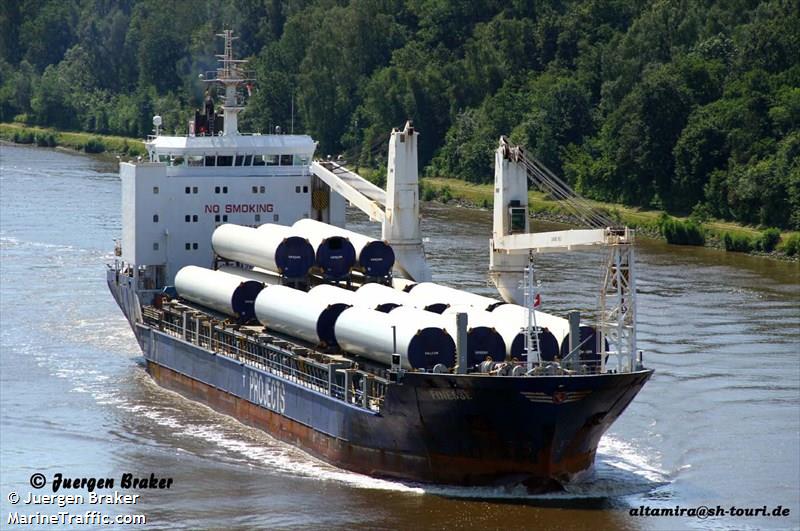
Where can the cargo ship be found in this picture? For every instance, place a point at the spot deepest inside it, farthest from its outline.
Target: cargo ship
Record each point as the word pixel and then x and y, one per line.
pixel 245 292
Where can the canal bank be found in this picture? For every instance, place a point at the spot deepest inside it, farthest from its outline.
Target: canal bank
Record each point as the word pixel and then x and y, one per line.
pixel 717 234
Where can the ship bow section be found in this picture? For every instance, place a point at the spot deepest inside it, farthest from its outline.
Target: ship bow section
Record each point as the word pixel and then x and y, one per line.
pixel 539 431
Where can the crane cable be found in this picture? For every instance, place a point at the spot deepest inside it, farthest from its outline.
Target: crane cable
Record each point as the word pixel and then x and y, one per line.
pixel 547 182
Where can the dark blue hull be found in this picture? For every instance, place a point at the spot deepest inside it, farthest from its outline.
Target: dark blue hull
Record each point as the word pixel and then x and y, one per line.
pixel 458 429
pixel 472 429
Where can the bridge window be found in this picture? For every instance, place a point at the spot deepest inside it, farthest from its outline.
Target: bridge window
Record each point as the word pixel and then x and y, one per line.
pixel 163 158
pixel 195 160
pixel 248 159
pixel 258 160
pixel 286 160
pixel 225 160
pixel 300 160
pixel 272 160
pixel 211 160
pixel 177 161
pixel 239 160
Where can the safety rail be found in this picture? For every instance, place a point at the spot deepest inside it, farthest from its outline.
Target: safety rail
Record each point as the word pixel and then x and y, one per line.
pixel 331 375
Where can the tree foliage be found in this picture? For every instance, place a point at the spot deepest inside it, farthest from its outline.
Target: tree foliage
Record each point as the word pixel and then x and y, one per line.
pixel 687 106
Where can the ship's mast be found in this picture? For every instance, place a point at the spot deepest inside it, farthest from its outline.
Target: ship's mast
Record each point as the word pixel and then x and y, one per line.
pixel 230 74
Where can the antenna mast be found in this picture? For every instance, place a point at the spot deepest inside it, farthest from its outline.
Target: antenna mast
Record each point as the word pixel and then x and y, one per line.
pixel 230 74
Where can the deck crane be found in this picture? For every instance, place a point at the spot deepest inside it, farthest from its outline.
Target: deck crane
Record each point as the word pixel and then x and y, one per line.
pixel 513 247
pixel 397 208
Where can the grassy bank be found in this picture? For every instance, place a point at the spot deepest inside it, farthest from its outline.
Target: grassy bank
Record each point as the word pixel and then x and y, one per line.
pixel 655 223
pixel 87 142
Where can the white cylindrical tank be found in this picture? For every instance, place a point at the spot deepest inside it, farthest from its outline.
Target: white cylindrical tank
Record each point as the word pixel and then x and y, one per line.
pixel 229 294
pixel 558 326
pixel 264 276
pixel 483 338
pixel 334 254
pixel 409 314
pixel 512 317
pixel 437 297
pixel 273 247
pixel 369 333
pixel 297 314
pixel 382 298
pixel 375 258
pixel 333 294
pixel 403 284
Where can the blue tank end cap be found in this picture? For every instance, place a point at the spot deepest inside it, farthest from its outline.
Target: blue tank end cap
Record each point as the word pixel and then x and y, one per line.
pixel 548 346
pixel 336 256
pixel 429 347
pixel 483 341
pixel 294 257
pixel 244 298
pixel 376 259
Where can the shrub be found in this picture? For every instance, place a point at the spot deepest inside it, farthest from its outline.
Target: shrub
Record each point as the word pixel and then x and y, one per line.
pixel 446 194
pixel 45 139
pixel 791 245
pixel 23 137
pixel 427 192
pixel 94 145
pixel 700 213
pixel 768 240
pixel 735 242
pixel 680 232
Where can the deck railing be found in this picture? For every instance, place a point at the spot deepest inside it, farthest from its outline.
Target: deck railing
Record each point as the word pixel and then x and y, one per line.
pixel 333 376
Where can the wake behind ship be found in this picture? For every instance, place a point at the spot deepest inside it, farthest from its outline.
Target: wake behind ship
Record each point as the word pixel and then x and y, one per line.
pixel 246 293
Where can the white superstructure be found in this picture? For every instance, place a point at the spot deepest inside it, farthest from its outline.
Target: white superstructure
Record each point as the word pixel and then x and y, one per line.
pixel 190 185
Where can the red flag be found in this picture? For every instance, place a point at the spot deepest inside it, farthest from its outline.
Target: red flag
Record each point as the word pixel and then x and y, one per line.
pixel 537 301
